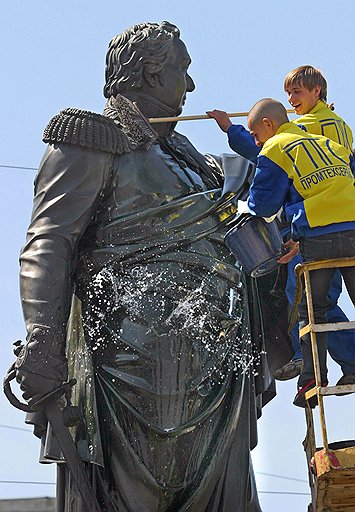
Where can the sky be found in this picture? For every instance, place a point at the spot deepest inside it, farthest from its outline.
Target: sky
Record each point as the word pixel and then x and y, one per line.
pixel 53 57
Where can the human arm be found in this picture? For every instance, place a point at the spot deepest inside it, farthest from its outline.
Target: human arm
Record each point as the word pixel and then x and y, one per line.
pixel 239 139
pixel 269 188
pixel 68 189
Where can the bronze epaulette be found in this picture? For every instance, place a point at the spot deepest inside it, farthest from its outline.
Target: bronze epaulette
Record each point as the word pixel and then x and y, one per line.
pixel 88 130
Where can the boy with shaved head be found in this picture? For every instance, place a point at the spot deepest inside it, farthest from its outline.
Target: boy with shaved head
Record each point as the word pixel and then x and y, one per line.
pixel 311 177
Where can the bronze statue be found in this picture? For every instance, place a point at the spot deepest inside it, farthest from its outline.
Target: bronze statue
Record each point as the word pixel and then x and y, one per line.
pixel 127 285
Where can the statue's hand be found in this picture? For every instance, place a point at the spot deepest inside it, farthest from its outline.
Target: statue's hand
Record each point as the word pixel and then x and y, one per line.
pixel 293 248
pixel 35 386
pixel 221 117
pixel 41 365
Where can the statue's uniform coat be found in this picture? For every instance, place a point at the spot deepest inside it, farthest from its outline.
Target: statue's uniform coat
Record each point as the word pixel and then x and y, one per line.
pixel 159 335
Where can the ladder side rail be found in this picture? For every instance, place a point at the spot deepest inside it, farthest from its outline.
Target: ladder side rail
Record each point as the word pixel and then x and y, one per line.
pixel 309 446
pixel 309 443
pixel 316 365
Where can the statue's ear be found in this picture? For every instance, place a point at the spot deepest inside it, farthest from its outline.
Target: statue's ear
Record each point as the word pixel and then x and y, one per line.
pixel 153 79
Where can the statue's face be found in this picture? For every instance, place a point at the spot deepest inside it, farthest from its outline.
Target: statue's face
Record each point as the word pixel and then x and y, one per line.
pixel 175 81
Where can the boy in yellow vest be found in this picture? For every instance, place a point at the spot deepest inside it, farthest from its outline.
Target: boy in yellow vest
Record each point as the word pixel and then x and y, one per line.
pixel 306 90
pixel 312 178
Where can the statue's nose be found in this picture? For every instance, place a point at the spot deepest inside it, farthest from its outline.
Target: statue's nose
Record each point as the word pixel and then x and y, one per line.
pixel 190 84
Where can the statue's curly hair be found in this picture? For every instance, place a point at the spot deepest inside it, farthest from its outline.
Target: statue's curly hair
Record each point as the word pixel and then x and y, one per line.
pixel 141 49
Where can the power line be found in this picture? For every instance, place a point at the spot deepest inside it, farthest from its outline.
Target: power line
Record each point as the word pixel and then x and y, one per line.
pixel 16 428
pixel 22 482
pixel 19 167
pixel 281 492
pixel 53 483
pixel 256 472
pixel 281 476
pixel 260 492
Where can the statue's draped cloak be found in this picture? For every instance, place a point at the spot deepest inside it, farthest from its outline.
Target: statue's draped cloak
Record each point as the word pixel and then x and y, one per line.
pixel 160 336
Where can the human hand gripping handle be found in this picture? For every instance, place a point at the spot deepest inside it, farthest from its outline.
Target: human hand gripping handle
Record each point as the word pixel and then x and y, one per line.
pixel 292 248
pixel 221 117
pixel 243 207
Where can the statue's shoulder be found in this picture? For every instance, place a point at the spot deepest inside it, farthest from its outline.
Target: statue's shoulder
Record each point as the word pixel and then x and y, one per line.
pixel 88 130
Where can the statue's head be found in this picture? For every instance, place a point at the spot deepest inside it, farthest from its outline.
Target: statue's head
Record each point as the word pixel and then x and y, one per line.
pixel 149 58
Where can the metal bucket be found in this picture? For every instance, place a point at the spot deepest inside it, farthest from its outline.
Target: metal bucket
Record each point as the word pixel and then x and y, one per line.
pixel 257 244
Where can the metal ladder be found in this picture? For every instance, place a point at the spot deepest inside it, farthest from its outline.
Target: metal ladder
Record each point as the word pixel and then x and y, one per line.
pixel 331 471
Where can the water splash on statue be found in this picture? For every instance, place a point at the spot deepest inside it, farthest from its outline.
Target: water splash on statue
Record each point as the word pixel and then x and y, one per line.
pixel 140 294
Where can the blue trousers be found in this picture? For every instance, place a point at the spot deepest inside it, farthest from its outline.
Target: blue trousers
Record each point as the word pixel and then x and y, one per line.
pixel 341 344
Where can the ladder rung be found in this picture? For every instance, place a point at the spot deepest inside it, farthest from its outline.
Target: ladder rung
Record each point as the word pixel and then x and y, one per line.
pixel 330 390
pixel 310 393
pixel 337 390
pixel 315 265
pixel 337 326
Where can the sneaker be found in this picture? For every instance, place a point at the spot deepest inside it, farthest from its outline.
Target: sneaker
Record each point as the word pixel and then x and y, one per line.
pixel 300 400
pixel 289 371
pixel 345 379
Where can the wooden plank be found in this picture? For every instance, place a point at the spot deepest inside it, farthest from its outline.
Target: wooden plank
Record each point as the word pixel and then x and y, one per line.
pixel 336 491
pixel 315 265
pixel 336 390
pixel 335 326
pixel 330 390
pixel 305 330
pixel 199 116
pixel 310 393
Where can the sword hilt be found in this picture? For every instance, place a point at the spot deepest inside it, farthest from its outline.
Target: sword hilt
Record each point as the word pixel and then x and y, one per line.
pixel 60 420
pixel 12 398
pixel 71 413
pixel 63 389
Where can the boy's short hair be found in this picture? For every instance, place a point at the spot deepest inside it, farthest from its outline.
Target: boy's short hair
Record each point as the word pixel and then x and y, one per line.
pixel 309 77
pixel 268 107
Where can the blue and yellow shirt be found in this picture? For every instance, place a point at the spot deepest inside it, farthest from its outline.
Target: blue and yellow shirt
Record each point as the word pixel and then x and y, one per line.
pixel 310 176
pixel 321 120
